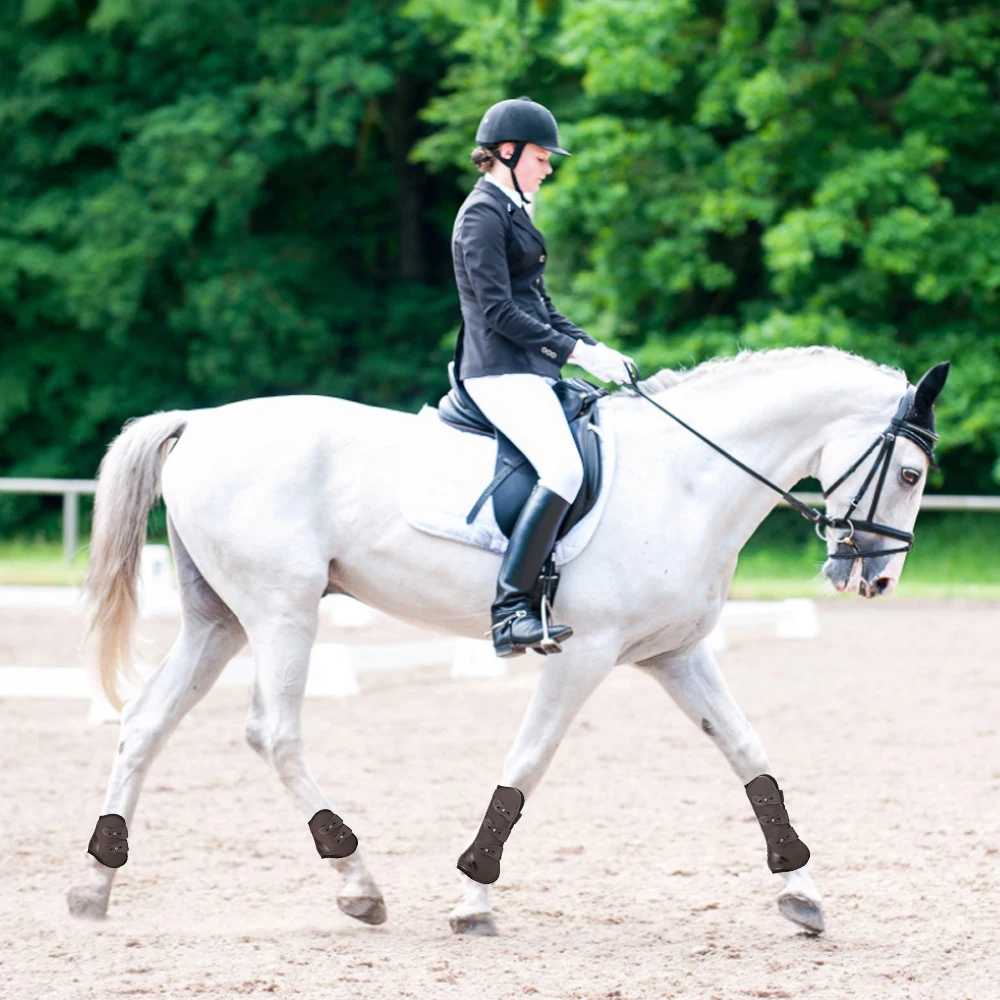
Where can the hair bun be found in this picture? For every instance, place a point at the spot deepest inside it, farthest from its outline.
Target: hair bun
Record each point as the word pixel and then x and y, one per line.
pixel 483 159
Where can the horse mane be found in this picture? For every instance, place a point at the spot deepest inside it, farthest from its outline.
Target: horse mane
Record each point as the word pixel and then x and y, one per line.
pixel 747 361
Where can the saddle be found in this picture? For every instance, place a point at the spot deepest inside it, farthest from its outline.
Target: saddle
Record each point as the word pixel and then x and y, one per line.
pixel 515 476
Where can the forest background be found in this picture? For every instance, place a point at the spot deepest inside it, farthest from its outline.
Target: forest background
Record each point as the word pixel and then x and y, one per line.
pixel 206 200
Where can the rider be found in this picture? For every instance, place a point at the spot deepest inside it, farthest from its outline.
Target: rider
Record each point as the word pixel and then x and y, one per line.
pixel 513 343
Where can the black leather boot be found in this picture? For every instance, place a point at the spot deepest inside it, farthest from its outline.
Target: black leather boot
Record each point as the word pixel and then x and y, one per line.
pixel 481 861
pixel 516 627
pixel 785 852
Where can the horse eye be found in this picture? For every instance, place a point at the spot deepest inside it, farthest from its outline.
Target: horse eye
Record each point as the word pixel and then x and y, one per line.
pixel 908 476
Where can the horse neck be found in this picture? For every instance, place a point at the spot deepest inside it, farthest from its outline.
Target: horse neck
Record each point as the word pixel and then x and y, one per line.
pixel 776 421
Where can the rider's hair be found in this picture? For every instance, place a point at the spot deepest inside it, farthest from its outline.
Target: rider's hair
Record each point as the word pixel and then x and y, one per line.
pixel 483 158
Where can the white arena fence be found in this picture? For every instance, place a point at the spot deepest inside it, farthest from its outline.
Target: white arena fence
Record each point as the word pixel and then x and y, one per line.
pixel 73 489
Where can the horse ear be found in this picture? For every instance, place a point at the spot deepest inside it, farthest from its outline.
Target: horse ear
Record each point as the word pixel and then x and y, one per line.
pixel 930 385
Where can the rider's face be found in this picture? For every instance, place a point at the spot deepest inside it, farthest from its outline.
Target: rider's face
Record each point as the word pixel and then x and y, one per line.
pixel 533 166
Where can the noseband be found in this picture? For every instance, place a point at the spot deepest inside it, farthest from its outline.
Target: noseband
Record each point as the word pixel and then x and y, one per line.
pixel 898 427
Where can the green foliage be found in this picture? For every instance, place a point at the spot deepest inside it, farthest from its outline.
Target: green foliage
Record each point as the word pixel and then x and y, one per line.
pixel 203 202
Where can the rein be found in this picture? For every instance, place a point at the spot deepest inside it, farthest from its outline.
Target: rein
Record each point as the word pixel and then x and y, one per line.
pixel 899 426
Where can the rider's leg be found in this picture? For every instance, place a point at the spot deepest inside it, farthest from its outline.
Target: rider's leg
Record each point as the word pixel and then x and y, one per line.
pixel 526 409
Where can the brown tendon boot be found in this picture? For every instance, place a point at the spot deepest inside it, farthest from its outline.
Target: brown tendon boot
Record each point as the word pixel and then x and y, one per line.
pixel 481 861
pixel 332 836
pixel 109 844
pixel 785 852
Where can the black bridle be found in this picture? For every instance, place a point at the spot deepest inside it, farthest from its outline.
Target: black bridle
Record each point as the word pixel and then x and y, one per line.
pixel 899 426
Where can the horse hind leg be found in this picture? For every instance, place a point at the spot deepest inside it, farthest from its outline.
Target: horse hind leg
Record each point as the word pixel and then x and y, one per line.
pixel 210 636
pixel 281 640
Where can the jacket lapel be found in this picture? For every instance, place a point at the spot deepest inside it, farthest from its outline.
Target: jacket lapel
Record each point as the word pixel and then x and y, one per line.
pixel 522 219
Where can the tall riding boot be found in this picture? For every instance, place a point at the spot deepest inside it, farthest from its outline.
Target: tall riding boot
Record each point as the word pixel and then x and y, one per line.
pixel 516 627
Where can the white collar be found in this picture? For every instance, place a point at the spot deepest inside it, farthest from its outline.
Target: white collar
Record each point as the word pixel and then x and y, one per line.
pixel 510 192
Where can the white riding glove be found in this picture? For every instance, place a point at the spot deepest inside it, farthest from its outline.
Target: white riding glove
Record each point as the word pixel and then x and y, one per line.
pixel 601 361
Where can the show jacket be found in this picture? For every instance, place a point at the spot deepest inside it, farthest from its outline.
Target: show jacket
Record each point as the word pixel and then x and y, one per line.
pixel 509 323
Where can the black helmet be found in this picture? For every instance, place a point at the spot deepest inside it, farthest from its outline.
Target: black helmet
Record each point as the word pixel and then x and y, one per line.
pixel 520 120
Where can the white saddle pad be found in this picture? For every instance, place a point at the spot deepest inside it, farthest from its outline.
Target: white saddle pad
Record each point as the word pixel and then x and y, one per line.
pixel 445 470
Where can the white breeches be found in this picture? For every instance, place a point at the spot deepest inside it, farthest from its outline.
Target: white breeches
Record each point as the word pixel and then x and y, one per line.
pixel 525 408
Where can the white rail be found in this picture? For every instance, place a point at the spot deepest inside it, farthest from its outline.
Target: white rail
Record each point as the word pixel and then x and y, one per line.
pixel 932 501
pixel 71 489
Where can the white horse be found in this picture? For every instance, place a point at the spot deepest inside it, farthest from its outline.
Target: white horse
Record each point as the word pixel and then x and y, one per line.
pixel 273 503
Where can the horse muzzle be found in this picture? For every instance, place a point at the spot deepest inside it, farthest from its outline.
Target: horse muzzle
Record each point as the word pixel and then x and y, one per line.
pixel 865 576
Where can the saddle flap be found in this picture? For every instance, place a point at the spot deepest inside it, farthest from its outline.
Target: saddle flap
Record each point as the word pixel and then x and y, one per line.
pixel 444 471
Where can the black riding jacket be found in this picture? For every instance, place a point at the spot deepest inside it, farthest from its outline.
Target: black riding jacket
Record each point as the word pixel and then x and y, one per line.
pixel 509 323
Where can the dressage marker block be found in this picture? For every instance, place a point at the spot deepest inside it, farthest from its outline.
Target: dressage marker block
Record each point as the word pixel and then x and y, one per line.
pixel 794 618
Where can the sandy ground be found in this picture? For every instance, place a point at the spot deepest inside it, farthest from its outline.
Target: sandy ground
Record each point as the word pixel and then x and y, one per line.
pixel 637 870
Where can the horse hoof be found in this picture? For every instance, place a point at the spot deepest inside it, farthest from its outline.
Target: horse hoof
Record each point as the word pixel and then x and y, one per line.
pixel 84 903
pixel 367 909
pixel 801 910
pixel 480 924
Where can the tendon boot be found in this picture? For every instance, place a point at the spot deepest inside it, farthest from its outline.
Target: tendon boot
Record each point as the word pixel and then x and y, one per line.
pixel 785 852
pixel 515 626
pixel 109 844
pixel 481 862
pixel 332 835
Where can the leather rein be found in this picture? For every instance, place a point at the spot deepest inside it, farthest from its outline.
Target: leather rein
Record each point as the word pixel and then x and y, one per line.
pixel 898 427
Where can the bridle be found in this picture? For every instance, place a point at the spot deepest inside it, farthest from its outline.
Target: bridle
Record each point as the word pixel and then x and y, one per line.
pixel 899 426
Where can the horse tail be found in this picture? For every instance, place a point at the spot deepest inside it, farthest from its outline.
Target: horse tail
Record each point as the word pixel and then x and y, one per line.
pixel 128 484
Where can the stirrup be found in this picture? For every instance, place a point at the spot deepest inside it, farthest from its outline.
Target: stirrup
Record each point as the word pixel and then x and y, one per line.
pixel 548 644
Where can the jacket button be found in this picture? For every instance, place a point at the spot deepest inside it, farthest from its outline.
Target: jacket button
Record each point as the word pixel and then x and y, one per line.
pixel 538 281
pixel 541 260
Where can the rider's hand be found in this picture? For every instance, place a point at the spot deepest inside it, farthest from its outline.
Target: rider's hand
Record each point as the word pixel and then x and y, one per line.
pixel 601 361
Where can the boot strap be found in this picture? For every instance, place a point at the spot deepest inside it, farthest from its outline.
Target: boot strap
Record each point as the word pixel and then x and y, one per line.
pixel 481 847
pixel 499 831
pixel 327 828
pixel 781 817
pixel 785 838
pixel 506 815
pixel 497 824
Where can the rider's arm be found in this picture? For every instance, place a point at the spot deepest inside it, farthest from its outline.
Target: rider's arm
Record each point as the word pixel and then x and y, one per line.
pixel 483 242
pixel 559 321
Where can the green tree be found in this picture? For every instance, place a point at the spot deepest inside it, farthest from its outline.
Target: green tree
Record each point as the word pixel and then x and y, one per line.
pixel 201 202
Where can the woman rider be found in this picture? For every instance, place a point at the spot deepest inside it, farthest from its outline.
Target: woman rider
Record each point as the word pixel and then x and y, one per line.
pixel 513 344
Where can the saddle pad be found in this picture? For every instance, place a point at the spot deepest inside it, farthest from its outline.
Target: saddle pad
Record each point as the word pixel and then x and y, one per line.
pixel 445 469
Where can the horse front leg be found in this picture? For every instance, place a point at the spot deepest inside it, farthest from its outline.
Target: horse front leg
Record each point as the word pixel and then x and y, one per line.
pixel 693 679
pixel 567 680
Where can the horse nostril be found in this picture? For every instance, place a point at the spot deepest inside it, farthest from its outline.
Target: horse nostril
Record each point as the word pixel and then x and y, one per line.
pixel 881 584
